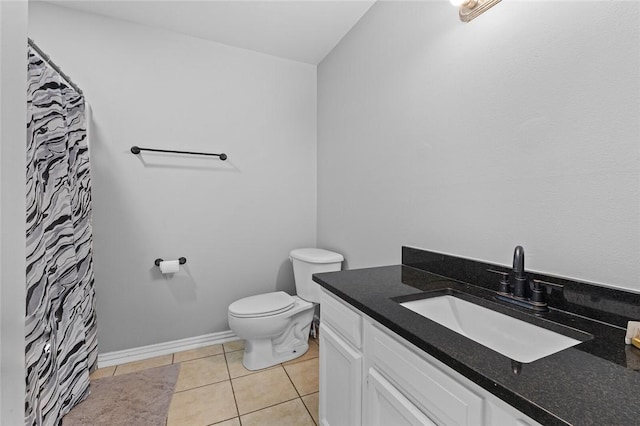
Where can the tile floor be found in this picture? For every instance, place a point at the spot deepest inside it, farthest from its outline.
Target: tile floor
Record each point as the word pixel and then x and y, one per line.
pixel 214 388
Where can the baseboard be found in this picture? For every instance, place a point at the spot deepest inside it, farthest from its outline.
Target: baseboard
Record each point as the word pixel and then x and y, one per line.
pixel 143 352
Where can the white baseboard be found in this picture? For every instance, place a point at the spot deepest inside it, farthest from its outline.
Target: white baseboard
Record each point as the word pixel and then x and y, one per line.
pixel 143 352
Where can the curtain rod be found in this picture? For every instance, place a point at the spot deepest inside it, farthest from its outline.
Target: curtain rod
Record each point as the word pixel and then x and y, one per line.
pixel 48 60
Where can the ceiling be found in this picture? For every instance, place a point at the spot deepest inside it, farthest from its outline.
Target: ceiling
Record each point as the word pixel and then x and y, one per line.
pixel 301 30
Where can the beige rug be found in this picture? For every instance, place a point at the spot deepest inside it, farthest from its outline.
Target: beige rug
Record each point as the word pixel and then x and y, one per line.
pixel 140 399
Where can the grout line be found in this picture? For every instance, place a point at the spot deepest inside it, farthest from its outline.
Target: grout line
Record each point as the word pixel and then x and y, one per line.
pixel 273 405
pixel 298 360
pixel 298 392
pixel 250 373
pixel 293 384
pixel 235 350
pixel 226 364
pixel 233 391
pixel 201 386
pixel 207 384
pixel 222 421
pixel 308 411
pixel 199 356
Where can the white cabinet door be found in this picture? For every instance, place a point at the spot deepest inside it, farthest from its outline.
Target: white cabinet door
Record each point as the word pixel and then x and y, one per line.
pixel 434 390
pixel 340 381
pixel 386 406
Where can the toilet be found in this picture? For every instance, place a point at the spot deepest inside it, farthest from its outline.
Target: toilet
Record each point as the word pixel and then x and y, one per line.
pixel 275 326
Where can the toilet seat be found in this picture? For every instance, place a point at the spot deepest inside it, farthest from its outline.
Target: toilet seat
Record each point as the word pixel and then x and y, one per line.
pixel 262 305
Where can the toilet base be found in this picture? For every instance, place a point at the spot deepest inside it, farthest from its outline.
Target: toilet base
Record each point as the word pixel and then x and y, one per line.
pixel 293 343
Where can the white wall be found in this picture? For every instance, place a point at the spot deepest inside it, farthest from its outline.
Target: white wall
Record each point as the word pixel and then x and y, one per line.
pixel 13 142
pixel 521 127
pixel 234 221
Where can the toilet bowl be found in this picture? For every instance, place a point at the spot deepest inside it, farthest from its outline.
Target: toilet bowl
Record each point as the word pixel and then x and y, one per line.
pixel 275 326
pixel 271 337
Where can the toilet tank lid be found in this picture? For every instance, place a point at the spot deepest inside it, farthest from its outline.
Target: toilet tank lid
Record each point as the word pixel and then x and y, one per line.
pixel 316 255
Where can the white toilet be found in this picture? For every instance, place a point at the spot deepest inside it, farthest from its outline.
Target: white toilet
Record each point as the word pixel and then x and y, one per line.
pixel 275 326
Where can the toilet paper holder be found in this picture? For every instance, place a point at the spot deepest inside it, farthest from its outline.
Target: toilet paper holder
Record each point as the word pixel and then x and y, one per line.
pixel 181 260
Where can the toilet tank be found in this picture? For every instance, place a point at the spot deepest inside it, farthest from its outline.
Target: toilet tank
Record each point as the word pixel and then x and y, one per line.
pixel 309 261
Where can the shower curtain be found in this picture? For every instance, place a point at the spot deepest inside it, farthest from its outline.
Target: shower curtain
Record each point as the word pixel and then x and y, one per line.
pixel 61 344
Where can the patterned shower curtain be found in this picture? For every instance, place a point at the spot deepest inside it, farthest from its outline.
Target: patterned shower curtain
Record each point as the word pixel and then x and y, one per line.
pixel 61 344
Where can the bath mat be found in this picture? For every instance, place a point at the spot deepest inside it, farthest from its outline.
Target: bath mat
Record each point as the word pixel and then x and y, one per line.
pixel 140 399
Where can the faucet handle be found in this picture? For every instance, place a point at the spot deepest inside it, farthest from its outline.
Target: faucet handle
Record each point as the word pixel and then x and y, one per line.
pixel 548 285
pixel 537 293
pixel 505 287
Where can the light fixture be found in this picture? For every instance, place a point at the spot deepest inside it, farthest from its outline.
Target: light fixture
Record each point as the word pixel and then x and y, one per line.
pixel 470 9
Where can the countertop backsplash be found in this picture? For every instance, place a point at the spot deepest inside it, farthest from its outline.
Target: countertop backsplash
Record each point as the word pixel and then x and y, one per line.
pixel 606 304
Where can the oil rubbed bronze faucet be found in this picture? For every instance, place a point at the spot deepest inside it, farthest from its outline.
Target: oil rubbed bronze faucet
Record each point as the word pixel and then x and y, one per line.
pixel 516 288
pixel 519 277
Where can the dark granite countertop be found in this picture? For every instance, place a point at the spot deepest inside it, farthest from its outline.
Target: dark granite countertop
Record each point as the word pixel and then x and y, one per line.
pixel 593 383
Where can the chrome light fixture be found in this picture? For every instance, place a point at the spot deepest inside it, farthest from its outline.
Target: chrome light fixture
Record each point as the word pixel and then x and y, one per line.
pixel 470 9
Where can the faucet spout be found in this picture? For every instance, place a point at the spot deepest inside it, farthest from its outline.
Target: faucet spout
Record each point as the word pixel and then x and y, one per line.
pixel 518 262
pixel 519 279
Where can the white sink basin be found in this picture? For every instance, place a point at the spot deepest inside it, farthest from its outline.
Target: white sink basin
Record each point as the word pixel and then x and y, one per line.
pixel 509 336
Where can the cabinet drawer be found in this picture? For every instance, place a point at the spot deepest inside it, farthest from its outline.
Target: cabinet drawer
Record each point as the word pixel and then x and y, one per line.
pixel 341 318
pixel 438 393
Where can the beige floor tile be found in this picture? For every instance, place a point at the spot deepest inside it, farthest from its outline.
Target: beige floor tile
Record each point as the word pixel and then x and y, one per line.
pixel 202 406
pixel 197 353
pixel 236 345
pixel 291 413
pixel 311 401
pixel 202 371
pixel 260 390
pixel 103 372
pixel 232 422
pixel 304 376
pixel 131 367
pixel 236 369
pixel 313 352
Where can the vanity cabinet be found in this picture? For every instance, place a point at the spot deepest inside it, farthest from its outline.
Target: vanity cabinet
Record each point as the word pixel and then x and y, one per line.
pixel 371 376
